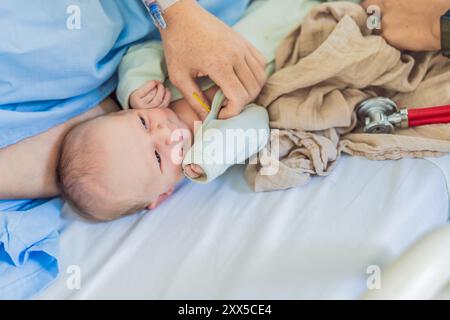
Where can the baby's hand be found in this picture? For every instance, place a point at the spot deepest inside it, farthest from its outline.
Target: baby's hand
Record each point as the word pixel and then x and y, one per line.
pixel 193 171
pixel 150 95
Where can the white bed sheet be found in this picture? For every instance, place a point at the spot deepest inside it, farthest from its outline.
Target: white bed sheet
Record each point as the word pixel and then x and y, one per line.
pixel 221 241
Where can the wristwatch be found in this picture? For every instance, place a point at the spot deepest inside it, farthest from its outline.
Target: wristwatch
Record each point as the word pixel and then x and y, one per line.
pixel 445 34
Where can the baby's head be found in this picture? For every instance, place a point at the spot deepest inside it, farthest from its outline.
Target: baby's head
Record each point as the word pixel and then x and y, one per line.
pixel 123 162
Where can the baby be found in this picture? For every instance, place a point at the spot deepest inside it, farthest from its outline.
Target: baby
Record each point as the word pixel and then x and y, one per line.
pixel 131 160
pixel 124 162
pixel 128 161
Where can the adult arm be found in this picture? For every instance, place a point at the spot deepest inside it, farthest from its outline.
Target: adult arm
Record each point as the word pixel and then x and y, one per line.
pixel 411 24
pixel 28 168
pixel 198 44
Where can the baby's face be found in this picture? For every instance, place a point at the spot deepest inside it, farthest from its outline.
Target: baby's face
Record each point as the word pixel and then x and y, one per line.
pixel 141 152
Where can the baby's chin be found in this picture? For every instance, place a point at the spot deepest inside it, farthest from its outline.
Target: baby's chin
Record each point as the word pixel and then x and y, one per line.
pixel 176 172
pixel 181 175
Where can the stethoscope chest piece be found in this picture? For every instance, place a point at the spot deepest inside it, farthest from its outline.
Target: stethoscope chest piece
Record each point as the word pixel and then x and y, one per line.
pixel 373 115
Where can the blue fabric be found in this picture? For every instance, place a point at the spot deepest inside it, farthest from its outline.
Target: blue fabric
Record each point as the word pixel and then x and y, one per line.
pixel 48 75
pixel 28 246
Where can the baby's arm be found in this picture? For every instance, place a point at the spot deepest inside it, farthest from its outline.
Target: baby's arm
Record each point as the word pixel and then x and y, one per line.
pixel 192 170
pixel 215 147
pixel 142 73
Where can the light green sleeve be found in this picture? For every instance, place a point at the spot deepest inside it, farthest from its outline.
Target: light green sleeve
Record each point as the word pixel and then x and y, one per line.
pixel 220 144
pixel 142 63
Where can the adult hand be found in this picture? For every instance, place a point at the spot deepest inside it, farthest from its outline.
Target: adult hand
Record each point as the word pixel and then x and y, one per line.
pixel 411 24
pixel 198 44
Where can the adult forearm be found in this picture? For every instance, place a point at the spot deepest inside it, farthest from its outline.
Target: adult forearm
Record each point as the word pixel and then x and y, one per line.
pixel 411 24
pixel 28 168
pixel 178 7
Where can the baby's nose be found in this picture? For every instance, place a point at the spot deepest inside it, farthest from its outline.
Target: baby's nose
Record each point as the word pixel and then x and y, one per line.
pixel 168 141
pixel 166 134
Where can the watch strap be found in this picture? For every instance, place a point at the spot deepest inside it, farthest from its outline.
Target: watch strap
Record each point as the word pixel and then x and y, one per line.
pixel 445 34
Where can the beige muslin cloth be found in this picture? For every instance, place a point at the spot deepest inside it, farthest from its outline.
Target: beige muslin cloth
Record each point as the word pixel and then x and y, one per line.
pixel 324 69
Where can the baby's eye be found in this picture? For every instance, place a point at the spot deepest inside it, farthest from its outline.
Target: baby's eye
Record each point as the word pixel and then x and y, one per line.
pixel 144 124
pixel 158 157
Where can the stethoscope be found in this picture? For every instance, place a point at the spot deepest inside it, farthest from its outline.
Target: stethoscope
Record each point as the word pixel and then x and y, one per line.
pixel 382 115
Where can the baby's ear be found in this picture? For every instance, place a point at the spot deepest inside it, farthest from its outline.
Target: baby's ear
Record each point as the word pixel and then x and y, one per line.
pixel 160 199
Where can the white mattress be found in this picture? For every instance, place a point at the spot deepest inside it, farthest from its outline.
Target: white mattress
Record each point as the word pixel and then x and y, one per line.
pixel 221 241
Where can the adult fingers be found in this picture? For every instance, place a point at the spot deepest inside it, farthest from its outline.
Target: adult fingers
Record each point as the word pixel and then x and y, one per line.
pixel 258 72
pixel 248 80
pixel 257 55
pixel 233 89
pixel 191 92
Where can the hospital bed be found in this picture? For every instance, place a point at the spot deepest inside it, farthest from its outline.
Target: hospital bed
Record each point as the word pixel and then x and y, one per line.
pixel 221 241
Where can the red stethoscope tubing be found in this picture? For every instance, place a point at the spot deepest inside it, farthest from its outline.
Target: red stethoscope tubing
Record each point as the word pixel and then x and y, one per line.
pixel 425 116
pixel 427 121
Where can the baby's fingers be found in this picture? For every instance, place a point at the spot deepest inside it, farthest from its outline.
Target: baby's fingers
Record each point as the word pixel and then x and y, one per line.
pixel 137 102
pixel 158 98
pixel 197 169
pixel 166 100
pixel 189 173
pixel 144 90
pixel 193 171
